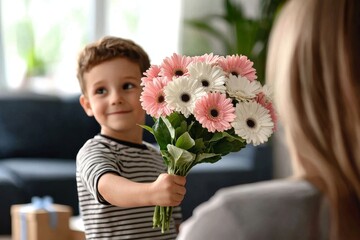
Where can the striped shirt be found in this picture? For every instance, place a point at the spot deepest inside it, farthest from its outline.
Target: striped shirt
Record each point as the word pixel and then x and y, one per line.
pixel 136 162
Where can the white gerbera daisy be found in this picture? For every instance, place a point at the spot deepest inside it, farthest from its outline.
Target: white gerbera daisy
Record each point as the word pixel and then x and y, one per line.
pixel 241 88
pixel 253 122
pixel 182 93
pixel 212 78
pixel 269 93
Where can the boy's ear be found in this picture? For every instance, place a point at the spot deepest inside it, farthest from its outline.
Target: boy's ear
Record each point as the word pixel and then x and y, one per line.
pixel 84 101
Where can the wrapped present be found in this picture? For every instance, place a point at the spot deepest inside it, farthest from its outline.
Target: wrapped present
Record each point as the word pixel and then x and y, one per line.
pixel 40 220
pixel 77 235
pixel 77 228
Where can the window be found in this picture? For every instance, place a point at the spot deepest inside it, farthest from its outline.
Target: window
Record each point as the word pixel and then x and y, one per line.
pixel 152 24
pixel 41 41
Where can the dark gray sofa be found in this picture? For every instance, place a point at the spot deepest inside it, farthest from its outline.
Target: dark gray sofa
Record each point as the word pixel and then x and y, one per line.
pixel 40 136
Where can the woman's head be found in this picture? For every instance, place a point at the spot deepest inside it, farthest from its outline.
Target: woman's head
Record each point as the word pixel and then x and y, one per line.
pixel 314 65
pixel 108 48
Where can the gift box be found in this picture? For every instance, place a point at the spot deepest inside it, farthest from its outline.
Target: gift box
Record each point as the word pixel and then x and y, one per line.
pixel 41 220
pixel 77 228
pixel 77 235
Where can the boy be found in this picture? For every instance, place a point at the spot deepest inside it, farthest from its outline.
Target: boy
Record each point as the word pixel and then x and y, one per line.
pixel 118 175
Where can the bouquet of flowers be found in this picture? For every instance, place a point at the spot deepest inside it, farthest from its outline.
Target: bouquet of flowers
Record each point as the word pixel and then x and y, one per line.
pixel 204 107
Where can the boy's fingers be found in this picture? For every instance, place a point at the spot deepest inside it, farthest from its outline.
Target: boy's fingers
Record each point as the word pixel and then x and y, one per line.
pixel 181 191
pixel 180 180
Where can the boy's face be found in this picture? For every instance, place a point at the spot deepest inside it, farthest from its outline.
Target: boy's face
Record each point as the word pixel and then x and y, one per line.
pixel 113 98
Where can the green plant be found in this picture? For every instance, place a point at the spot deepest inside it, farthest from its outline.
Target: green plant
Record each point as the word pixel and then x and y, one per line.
pixel 35 65
pixel 247 36
pixel 37 52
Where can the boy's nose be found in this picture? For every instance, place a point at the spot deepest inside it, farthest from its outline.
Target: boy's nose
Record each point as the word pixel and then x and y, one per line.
pixel 117 99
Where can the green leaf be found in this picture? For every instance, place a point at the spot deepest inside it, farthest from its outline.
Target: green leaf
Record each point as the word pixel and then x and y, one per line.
pixel 176 119
pixel 229 136
pixel 217 136
pixel 199 146
pixel 190 125
pixel 213 159
pixel 237 146
pixel 224 146
pixel 207 26
pixel 148 128
pixel 162 133
pixel 233 12
pixel 181 156
pixel 174 152
pixel 197 131
pixel 185 141
pixel 181 129
pixel 170 127
pixel 203 156
pixel 168 159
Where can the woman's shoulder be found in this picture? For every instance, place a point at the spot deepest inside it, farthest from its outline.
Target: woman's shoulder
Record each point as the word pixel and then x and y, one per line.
pixel 268 198
pixel 275 190
pixel 278 209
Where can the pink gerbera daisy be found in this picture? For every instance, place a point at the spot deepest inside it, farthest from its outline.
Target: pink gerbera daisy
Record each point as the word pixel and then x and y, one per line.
pixel 175 66
pixel 153 98
pixel 150 74
pixel 262 99
pixel 238 65
pixel 215 112
pixel 207 58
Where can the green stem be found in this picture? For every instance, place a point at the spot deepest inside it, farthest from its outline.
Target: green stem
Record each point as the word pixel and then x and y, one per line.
pixel 162 218
pixel 156 217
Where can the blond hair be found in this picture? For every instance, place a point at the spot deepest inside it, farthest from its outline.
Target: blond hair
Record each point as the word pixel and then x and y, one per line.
pixel 108 48
pixel 314 64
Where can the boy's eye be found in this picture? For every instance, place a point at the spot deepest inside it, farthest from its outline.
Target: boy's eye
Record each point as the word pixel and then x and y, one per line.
pixel 128 86
pixel 100 91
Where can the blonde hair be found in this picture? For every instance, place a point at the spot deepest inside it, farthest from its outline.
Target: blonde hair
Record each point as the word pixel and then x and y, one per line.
pixel 314 64
pixel 108 48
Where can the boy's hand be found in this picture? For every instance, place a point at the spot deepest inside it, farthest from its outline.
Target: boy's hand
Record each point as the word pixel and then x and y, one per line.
pixel 168 190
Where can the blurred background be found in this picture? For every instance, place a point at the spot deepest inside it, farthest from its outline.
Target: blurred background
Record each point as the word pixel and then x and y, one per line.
pixel 40 39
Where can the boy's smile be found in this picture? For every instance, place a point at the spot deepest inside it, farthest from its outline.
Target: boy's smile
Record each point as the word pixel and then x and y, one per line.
pixel 118 112
pixel 113 98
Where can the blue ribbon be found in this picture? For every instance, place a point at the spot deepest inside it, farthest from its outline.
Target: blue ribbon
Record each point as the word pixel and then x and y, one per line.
pixel 37 203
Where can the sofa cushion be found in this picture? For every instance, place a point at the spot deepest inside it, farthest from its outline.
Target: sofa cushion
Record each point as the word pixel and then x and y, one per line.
pixel 40 177
pixel 43 126
pixel 11 194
